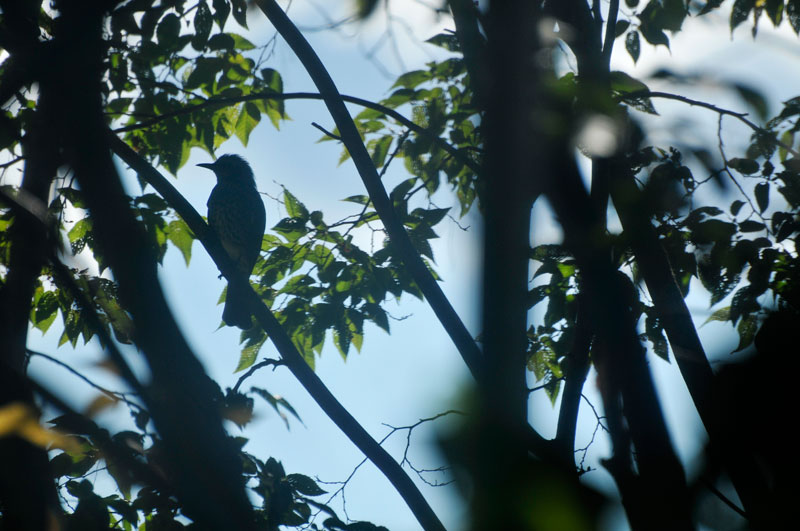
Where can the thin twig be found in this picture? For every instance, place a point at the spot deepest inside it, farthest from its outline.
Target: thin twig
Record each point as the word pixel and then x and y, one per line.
pixel 114 395
pixel 741 116
pixel 254 368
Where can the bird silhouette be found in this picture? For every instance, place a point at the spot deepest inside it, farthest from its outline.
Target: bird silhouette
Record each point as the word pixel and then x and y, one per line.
pixel 236 213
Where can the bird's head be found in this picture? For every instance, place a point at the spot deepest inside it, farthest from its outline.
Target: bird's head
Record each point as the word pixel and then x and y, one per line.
pixel 231 169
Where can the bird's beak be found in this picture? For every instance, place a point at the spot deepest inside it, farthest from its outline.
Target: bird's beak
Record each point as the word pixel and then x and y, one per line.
pixel 208 165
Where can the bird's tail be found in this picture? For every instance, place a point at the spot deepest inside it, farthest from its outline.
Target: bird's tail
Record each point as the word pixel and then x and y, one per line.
pixel 235 312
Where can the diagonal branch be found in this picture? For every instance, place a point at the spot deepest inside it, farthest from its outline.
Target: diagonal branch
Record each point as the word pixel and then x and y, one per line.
pixel 289 354
pixel 455 328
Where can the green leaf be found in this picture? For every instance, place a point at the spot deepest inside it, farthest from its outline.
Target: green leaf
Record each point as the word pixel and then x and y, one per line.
pixel 359 199
pixel 761 192
pixel 45 311
pixel 79 230
pixel 747 329
pixel 381 149
pixel 632 45
pixel 249 116
pixel 181 236
pixel 723 314
pixel 412 79
pixel 240 43
pixel 249 354
pixel 294 207
pixel 448 41
pixel 272 78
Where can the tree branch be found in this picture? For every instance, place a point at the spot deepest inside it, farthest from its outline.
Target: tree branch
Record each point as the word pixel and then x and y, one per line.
pixel 611 32
pixel 222 102
pixel 741 116
pixel 455 328
pixel 289 354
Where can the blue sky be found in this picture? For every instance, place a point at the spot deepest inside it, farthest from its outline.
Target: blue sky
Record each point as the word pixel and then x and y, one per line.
pixel 415 372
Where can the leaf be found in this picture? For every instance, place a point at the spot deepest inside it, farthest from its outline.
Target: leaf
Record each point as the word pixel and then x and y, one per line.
pixel 710 6
pixel 221 12
pixel 761 192
pixel 448 41
pixel 359 199
pixel 655 333
pixel 294 207
pixel 632 45
pixel 79 230
pixel 723 314
pixel 168 31
pixel 240 12
pixel 747 329
pixel 750 225
pixel 278 403
pixel 622 82
pixel 181 236
pixel 736 206
pixel 412 79
pixel 304 485
pixel 621 27
pixel 249 354
pixel 202 26
pixel 381 149
pixel 713 230
pixel 754 98
pixel 745 166
pixel 45 311
pixel 741 10
pixel 793 13
pixel 249 117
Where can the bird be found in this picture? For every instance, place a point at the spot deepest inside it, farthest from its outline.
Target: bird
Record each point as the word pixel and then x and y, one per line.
pixel 237 215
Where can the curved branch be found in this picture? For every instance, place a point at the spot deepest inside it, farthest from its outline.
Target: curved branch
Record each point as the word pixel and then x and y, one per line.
pixel 741 116
pixel 455 328
pixel 222 102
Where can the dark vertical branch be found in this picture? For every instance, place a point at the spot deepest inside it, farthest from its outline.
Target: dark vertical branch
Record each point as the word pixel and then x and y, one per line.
pixel 576 369
pixel 621 366
pixel 511 158
pixel 683 338
pixel 473 46
pixel 383 206
pixel 204 461
pixel 27 491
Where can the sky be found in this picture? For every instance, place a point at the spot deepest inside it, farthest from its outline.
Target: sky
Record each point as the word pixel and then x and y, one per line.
pixel 415 372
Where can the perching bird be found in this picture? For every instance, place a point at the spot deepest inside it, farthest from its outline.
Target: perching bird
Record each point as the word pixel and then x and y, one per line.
pixel 236 213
